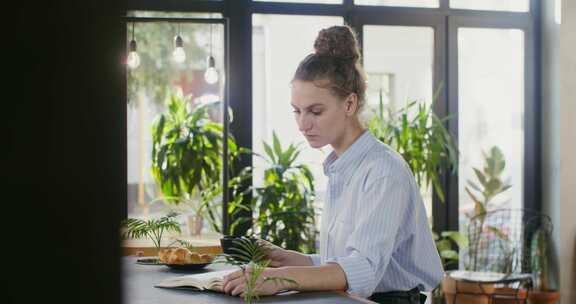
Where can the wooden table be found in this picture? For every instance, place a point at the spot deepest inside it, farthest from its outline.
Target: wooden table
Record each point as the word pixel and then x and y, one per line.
pixel 139 280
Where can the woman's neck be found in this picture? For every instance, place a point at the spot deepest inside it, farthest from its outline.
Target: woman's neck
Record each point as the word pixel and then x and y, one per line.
pixel 348 138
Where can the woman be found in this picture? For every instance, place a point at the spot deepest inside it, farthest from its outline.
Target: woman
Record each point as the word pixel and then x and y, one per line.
pixel 375 241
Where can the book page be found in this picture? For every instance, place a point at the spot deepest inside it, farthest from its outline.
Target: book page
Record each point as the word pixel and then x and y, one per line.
pixel 208 280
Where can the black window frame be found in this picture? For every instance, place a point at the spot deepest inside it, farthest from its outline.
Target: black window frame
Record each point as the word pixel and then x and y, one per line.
pixel 445 22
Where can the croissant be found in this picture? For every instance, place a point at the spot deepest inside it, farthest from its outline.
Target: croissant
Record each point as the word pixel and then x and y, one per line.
pixel 178 256
pixel 182 256
pixel 194 258
pixel 205 258
pixel 163 255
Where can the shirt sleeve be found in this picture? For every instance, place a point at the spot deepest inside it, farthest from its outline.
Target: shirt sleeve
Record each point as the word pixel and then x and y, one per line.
pixel 372 242
pixel 316 261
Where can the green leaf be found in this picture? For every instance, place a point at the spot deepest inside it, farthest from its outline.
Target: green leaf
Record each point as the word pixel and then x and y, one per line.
pixel 449 254
pixel 269 152
pixel 472 196
pixel 276 142
pixel 499 233
pixel 457 237
pixel 474 186
pixel 480 177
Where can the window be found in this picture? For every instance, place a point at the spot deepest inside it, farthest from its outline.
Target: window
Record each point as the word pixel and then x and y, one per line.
pixel 149 84
pixel 558 11
pixel 406 3
pixel 304 1
pixel 407 52
pixel 491 109
pixel 492 5
pixel 274 61
pixel 399 60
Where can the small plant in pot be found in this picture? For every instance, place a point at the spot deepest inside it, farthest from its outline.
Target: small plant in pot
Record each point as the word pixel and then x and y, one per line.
pixel 251 257
pixel 152 229
pixel 489 184
pixel 542 293
pixel 446 243
pixel 229 242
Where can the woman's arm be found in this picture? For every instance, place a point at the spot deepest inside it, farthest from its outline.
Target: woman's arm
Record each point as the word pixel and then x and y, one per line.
pixel 280 257
pixel 308 278
pixel 329 276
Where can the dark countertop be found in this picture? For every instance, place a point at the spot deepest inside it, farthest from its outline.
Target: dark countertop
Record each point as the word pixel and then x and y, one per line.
pixel 139 280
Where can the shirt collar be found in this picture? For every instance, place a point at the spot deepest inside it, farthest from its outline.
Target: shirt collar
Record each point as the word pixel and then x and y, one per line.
pixel 348 161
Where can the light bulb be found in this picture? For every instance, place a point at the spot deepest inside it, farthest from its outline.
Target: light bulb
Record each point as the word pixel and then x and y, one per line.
pixel 179 54
pixel 133 60
pixel 211 74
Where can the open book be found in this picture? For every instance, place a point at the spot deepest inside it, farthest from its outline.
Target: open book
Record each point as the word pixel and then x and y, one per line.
pixel 202 281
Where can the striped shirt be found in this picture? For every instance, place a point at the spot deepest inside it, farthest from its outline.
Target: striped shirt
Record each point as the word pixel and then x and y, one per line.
pixel 374 223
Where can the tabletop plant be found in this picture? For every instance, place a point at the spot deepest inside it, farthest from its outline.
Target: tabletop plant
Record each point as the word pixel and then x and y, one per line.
pixel 283 205
pixel 489 184
pixel 447 243
pixel 152 229
pixel 251 257
pixel 539 247
pixel 539 250
pixel 187 157
pixel 422 140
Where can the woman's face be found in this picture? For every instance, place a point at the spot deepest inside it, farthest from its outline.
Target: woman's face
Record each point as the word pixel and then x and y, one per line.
pixel 321 116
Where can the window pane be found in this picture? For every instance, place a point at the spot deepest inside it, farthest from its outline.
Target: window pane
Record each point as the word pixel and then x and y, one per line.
pixel 173 14
pixel 405 3
pixel 558 11
pixel 492 5
pixel 275 60
pixel 304 1
pixel 491 111
pixel 157 76
pixel 399 62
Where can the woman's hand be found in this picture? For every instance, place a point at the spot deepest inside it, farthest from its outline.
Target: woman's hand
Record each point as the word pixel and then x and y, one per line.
pixel 280 257
pixel 235 283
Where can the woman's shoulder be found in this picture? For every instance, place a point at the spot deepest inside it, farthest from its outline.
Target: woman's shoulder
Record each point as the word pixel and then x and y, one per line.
pixel 383 161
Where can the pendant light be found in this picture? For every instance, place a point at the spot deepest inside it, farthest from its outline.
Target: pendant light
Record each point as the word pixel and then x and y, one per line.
pixel 133 60
pixel 211 75
pixel 179 54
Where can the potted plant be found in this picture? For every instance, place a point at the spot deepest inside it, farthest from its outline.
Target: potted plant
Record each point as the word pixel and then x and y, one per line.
pixel 542 293
pixel 452 291
pixel 419 135
pixel 489 184
pixel 228 242
pixel 152 229
pixel 284 214
pixel 446 243
pixel 251 256
pixel 187 159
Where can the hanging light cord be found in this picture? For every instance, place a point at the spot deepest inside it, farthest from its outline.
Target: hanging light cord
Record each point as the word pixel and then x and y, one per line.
pixel 210 39
pixel 132 30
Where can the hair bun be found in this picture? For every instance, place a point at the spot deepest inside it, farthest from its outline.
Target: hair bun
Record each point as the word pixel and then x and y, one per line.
pixel 338 42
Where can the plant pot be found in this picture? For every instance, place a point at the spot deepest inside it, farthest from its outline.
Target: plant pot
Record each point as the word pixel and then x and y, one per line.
pixel 227 243
pixel 437 296
pixel 507 295
pixel 543 297
pixel 457 292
